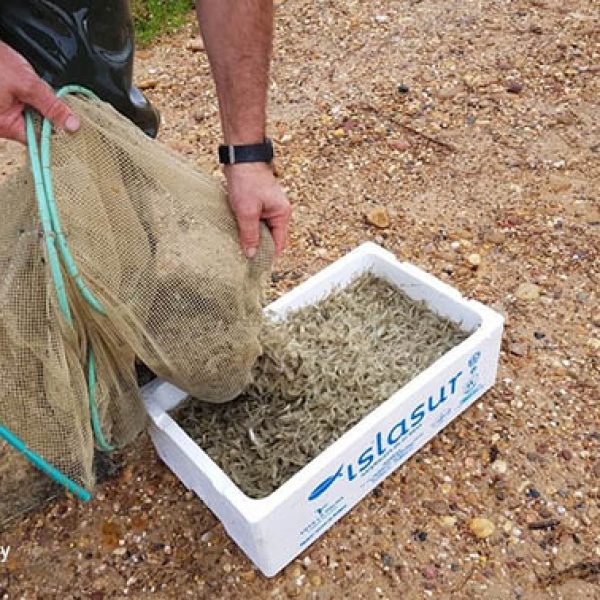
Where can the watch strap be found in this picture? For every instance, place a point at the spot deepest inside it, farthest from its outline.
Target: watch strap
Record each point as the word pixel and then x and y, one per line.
pixel 231 154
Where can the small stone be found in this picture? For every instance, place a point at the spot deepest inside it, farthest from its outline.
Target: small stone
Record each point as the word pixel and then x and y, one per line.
pixel 474 260
pixel 500 466
pixel 532 493
pixel 120 551
pixel 248 576
pixel 430 572
pixel 403 89
pixel 315 580
pixel 592 216
pixel 481 528
pixel 199 116
pixel 566 454
pixel 558 183
pixel 421 536
pixel 514 87
pixel 539 335
pixel 594 343
pixel 399 145
pixel 496 237
pixel 378 217
pixel 537 29
pixel 517 349
pixel 528 291
pixel 378 491
pixel 387 560
pixel 448 521
pixel 449 92
pixel 147 84
pixel 195 45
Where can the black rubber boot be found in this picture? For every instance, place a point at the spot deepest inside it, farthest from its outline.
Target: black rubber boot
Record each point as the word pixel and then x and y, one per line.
pixel 88 42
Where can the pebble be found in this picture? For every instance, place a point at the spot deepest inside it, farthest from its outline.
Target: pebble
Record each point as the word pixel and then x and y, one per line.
pixel 481 528
pixel 594 343
pixel 387 560
pixel 448 521
pixel 528 291
pixel 474 259
pixel 566 454
pixel 500 466
pixel 558 183
pixel 532 493
pixel 147 84
pixel 248 576
pixel 399 145
pixel 430 572
pixel 514 87
pixel 517 349
pixel 496 237
pixel 421 536
pixel 195 45
pixel 539 335
pixel 379 217
pixel 403 89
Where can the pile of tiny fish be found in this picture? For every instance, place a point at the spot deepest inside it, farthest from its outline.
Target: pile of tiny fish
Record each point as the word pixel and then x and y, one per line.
pixel 322 370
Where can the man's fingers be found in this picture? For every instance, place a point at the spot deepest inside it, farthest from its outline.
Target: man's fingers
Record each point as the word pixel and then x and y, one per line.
pixel 13 126
pixel 40 96
pixel 249 226
pixel 279 231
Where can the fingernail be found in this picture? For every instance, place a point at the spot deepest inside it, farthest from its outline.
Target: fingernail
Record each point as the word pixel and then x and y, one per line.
pixel 72 123
pixel 250 252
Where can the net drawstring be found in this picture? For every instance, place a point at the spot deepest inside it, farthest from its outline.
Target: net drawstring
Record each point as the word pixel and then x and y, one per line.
pixel 58 255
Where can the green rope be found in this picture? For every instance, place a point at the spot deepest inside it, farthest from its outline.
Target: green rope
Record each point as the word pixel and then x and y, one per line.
pixel 67 258
pixel 57 249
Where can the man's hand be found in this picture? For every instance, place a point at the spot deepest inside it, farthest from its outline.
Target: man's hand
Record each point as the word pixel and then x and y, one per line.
pixel 20 86
pixel 255 195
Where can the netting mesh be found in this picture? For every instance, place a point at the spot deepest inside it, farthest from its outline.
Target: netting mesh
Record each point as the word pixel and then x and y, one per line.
pixel 157 244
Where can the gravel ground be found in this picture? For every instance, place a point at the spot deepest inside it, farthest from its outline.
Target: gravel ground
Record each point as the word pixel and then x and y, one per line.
pixel 473 127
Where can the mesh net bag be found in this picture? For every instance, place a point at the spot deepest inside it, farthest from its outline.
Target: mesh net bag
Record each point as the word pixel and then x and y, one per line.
pixel 157 245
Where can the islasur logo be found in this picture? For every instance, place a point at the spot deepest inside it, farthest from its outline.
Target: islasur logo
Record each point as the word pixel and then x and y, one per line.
pixel 385 442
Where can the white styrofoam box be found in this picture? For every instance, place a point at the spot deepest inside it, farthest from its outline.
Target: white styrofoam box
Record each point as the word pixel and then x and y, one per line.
pixel 272 531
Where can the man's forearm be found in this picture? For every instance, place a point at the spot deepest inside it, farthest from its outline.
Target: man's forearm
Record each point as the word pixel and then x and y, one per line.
pixel 238 36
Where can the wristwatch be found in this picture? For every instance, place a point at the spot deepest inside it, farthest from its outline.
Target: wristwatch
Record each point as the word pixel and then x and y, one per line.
pixel 231 155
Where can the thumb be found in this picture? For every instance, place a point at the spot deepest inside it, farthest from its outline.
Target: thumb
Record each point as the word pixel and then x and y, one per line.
pixel 249 228
pixel 40 96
